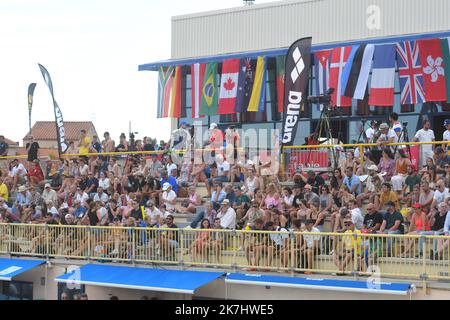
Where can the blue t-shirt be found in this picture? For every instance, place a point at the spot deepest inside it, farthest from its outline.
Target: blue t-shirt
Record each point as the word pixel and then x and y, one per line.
pixel 350 183
pixel 80 212
pixel 173 183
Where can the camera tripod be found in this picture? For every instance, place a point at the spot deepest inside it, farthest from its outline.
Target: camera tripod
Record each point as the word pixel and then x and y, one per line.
pixel 405 137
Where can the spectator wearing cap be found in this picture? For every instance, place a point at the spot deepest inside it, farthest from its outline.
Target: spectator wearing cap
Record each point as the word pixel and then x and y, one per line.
pixel 386 196
pixel 400 171
pixel 227 215
pixel 446 136
pixel 310 244
pixel 392 220
pixel 216 137
pixel 370 188
pixel 80 210
pixel 419 225
pixel 387 135
pixel 351 247
pixel 442 159
pixel 352 181
pixel 168 197
pixel 166 178
pixel 370 132
pixel 49 194
pixel 425 135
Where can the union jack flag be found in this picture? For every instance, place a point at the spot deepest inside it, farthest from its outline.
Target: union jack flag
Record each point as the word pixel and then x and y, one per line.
pixel 410 73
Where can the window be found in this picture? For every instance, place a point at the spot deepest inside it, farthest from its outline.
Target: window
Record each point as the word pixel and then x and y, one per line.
pixel 17 290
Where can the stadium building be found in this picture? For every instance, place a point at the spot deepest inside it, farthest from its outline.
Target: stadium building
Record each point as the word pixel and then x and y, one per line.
pixel 269 29
pixel 34 263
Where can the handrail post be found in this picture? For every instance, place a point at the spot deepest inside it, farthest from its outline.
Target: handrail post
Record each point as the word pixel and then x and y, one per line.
pixel 47 242
pixel 361 155
pixel 88 230
pixel 133 245
pixel 424 275
pixel 181 252
pixel 292 263
pixel 9 227
pixel 234 236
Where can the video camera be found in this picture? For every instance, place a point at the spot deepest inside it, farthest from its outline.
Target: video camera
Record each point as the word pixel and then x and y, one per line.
pixel 322 99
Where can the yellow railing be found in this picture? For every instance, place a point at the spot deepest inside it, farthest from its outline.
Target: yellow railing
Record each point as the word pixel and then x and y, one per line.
pixel 395 256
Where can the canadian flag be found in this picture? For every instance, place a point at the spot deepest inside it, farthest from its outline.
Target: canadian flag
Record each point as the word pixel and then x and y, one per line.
pixel 228 86
pixel 431 56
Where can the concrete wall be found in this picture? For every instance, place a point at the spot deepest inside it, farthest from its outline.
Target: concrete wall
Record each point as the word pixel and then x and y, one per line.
pixel 278 24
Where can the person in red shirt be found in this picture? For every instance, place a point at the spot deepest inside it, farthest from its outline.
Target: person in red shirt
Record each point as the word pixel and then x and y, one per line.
pixel 35 175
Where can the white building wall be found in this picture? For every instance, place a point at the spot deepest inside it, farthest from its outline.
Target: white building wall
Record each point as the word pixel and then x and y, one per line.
pixel 278 24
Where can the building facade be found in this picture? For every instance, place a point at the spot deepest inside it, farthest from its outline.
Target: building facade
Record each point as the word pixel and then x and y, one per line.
pixel 268 30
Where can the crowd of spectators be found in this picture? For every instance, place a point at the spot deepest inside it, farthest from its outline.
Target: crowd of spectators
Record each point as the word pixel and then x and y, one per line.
pixel 385 193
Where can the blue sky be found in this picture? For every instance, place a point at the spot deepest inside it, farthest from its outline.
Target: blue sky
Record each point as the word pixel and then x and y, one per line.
pixel 92 49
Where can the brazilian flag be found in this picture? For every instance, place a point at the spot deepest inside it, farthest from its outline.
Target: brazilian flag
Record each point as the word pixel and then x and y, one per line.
pixel 210 91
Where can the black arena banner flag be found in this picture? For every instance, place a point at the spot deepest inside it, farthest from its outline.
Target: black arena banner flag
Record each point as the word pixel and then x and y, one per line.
pixel 31 88
pixel 60 132
pixel 298 64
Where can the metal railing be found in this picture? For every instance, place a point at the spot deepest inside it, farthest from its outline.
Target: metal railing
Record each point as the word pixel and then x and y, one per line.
pixel 409 256
pixel 310 149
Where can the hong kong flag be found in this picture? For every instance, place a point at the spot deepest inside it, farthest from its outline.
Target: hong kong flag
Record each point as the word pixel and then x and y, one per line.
pixel 228 86
pixel 432 60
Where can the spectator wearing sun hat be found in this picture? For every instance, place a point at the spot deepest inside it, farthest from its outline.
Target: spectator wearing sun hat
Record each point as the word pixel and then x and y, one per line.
pixel 49 194
pixel 227 215
pixel 169 197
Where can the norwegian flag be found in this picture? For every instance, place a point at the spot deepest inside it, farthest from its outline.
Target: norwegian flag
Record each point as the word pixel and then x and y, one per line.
pixel 410 73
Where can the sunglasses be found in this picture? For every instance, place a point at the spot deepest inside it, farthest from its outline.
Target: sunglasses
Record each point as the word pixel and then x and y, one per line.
pixel 347 224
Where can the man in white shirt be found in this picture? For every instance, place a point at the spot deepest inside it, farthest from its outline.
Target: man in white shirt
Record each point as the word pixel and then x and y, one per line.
pixel 371 131
pixel 357 217
pixel 227 215
pixel 152 213
pixel 169 197
pixel 81 196
pixel 440 195
pixel 223 169
pixel 18 172
pixel 425 135
pixel 49 194
pixel 101 195
pixel 311 243
pixel 446 135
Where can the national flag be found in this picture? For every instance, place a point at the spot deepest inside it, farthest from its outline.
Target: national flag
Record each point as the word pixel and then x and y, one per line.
pixel 383 76
pixel 410 73
pixel 245 85
pixel 210 94
pixel 31 88
pixel 258 97
pixel 322 71
pixel 197 73
pixel 339 58
pixel 345 77
pixel 165 79
pixel 229 86
pixel 281 60
pixel 431 56
pixel 445 45
pixel 63 145
pixel 175 97
pixel 359 73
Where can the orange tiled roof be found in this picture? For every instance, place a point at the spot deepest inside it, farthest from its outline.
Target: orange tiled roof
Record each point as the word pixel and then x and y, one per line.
pixel 46 130
pixel 10 142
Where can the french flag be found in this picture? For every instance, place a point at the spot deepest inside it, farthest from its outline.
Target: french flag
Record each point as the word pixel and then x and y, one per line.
pixel 383 75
